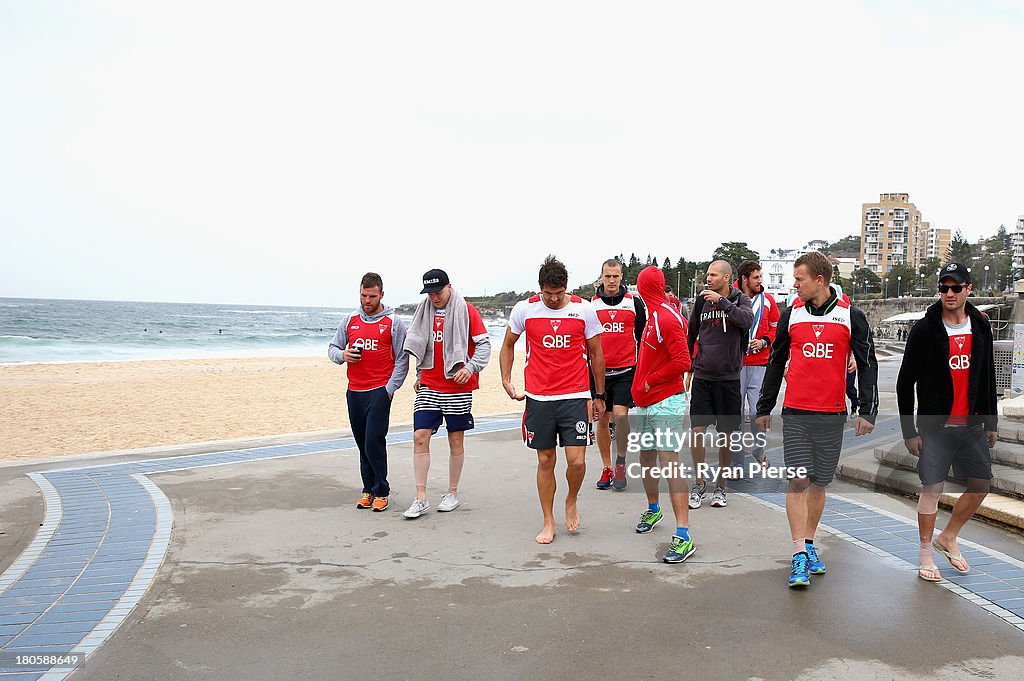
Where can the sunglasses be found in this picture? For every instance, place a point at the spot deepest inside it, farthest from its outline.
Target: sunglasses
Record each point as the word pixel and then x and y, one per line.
pixel 955 288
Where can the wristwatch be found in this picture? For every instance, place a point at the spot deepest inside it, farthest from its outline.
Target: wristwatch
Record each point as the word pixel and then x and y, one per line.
pixel 600 396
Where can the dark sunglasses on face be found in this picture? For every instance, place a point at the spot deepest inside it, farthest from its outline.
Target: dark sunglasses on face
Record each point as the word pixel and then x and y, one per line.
pixel 955 288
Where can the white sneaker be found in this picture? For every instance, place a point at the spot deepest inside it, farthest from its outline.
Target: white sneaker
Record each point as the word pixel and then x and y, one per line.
pixel 449 502
pixel 418 508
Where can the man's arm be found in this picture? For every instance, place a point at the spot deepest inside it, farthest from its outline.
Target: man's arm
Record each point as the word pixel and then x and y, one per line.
pixel 336 350
pixel 773 323
pixel 772 382
pixel 694 325
pixel 505 358
pixel 863 346
pixel 910 368
pixel 740 313
pixel 401 369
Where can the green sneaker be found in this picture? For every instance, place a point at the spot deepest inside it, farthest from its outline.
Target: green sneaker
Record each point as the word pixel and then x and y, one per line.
pixel 648 520
pixel 680 550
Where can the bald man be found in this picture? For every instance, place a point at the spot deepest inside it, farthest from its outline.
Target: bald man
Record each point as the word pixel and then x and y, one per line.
pixel 718 338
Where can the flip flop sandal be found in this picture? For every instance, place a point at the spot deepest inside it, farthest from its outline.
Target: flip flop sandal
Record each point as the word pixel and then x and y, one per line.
pixel 763 460
pixel 951 557
pixel 929 573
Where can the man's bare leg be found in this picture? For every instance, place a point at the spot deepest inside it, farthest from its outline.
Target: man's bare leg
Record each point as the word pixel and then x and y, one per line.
pixel 421 460
pixel 575 470
pixel 457 451
pixel 546 491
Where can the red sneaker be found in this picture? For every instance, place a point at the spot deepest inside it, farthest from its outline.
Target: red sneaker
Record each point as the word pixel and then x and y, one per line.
pixel 619 480
pixel 606 479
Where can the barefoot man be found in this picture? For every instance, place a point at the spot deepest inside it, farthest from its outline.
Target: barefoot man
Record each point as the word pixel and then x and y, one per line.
pixel 562 330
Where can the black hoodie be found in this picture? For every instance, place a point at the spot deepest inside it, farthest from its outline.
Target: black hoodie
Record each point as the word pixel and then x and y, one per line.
pixel 926 365
pixel 722 330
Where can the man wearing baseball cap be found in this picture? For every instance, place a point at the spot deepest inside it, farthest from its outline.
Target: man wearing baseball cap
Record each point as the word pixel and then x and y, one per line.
pixel 449 340
pixel 949 359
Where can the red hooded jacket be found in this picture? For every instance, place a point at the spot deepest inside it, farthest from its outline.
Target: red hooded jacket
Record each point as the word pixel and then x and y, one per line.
pixel 663 355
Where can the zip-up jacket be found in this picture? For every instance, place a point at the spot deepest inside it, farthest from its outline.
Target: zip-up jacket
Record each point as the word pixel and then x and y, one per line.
pixel 926 367
pixel 722 330
pixel 766 327
pixel 663 356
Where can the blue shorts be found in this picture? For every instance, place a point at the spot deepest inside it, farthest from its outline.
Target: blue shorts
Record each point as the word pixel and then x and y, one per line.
pixel 431 406
pixel 666 416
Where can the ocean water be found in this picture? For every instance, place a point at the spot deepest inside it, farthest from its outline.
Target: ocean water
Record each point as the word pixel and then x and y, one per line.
pixel 43 330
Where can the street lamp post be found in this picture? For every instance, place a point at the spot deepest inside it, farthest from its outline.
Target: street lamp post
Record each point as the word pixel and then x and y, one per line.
pixel 921 287
pixel 899 285
pixel 986 277
pixel 885 288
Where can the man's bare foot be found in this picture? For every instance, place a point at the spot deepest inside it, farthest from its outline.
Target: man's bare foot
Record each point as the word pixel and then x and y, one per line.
pixel 572 517
pixel 547 535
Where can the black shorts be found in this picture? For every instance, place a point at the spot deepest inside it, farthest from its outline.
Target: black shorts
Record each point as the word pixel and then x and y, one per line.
pixel 813 441
pixel 717 403
pixel 964 448
pixel 619 390
pixel 547 424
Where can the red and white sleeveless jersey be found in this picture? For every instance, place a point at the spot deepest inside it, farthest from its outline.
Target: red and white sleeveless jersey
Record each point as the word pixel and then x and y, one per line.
pixel 374 368
pixel 960 347
pixel 618 323
pixel 819 347
pixel 556 347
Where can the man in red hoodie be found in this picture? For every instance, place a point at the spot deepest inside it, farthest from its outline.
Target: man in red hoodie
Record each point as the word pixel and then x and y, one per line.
pixel 762 333
pixel 658 393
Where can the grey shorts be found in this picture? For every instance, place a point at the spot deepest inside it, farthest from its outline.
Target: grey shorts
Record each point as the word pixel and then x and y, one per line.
pixel 964 448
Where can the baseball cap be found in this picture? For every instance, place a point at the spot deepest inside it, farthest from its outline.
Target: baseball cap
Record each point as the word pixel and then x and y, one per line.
pixel 434 281
pixel 955 271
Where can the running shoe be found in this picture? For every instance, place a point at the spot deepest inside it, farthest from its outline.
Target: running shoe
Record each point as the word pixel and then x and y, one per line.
pixel 680 550
pixel 648 519
pixel 417 508
pixel 606 479
pixel 799 576
pixel 449 502
pixel 718 498
pixel 380 504
pixel 365 501
pixel 619 479
pixel 697 494
pixel 814 564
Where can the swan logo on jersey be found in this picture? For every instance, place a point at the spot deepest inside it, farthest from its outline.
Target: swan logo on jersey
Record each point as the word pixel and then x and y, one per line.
pixel 960 340
pixel 555 323
pixel 529 437
pixel 382 328
pixel 818 329
pixel 439 322
pixel 612 314
pixel 581 427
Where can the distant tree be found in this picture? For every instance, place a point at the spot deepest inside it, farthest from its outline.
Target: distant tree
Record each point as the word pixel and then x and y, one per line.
pixel 902 279
pixel 1001 241
pixel 929 268
pixel 735 252
pixel 865 281
pixel 848 246
pixel 959 249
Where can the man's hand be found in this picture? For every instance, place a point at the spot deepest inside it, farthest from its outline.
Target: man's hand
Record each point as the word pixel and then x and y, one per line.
pixel 757 345
pixel 992 437
pixel 863 426
pixel 351 355
pixel 416 386
pixel 764 422
pixel 711 296
pixel 687 380
pixel 599 409
pixel 914 445
pixel 510 390
pixel 462 376
pixel 851 364
pixel 647 387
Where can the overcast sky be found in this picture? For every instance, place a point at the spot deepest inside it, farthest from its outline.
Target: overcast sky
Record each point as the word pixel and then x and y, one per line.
pixel 272 153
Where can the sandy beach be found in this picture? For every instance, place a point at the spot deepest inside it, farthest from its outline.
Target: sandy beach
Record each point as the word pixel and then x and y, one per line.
pixel 60 409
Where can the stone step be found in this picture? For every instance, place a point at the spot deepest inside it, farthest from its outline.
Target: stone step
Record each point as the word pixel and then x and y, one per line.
pixel 1006 480
pixel 864 469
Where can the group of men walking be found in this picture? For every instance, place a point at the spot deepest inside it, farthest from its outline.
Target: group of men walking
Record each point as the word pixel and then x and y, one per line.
pixel 593 361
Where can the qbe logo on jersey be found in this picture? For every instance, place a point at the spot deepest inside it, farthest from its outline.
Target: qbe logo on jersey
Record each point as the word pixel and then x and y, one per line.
pixel 556 341
pixel 614 327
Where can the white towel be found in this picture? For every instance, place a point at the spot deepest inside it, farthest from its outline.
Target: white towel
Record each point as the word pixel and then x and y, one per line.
pixel 419 341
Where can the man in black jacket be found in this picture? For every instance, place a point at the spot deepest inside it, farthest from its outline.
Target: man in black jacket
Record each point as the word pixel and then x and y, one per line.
pixel 949 357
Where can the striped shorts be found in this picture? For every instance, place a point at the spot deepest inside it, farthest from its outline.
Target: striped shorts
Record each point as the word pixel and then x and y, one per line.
pixel 431 406
pixel 813 440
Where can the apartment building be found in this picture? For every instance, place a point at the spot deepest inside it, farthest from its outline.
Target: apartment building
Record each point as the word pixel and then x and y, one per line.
pixel 890 233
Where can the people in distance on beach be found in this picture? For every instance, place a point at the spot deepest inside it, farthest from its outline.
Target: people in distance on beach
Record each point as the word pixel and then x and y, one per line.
pixel 949 360
pixel 622 316
pixel 562 331
pixel 369 341
pixel 815 337
pixel 661 408
pixel 449 342
pixel 717 338
pixel 759 344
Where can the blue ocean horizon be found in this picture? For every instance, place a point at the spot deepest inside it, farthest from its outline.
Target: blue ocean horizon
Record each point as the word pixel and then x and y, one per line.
pixel 42 330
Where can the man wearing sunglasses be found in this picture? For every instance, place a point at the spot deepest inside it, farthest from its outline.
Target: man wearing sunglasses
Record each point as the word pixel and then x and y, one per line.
pixel 949 358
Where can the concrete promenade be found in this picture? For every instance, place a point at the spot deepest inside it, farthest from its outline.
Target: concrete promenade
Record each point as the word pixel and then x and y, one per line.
pixel 252 563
